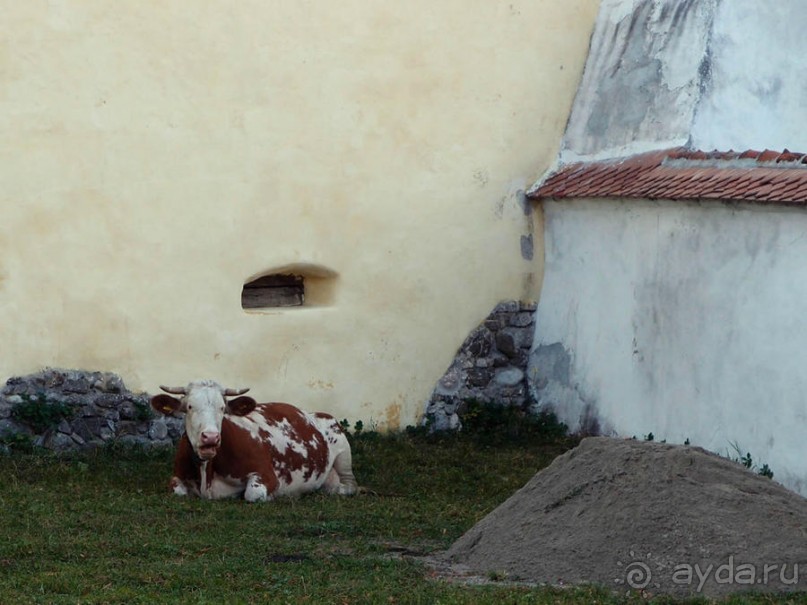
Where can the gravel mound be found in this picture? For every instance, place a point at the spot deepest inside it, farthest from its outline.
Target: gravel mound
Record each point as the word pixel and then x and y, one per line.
pixel 635 515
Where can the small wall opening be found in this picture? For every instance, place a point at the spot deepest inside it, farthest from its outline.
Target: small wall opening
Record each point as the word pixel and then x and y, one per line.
pixel 289 286
pixel 274 291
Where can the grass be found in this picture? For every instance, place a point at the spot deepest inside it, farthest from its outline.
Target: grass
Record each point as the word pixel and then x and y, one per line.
pixel 101 528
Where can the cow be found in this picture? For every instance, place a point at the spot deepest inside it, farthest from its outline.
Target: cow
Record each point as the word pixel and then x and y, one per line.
pixel 233 446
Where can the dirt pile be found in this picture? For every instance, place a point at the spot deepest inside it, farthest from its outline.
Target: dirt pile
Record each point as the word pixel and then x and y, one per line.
pixel 632 515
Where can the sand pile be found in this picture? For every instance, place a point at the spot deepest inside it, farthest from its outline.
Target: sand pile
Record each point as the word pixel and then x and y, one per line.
pixel 630 515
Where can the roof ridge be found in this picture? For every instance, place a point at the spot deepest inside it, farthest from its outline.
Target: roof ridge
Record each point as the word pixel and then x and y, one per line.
pixel 683 173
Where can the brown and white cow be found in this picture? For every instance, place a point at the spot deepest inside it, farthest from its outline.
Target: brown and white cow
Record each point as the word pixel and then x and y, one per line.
pixel 234 447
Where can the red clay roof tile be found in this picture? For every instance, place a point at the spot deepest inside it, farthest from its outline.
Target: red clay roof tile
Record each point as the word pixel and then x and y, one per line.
pixel 788 156
pixel 680 173
pixel 791 187
pixel 768 156
pixel 778 189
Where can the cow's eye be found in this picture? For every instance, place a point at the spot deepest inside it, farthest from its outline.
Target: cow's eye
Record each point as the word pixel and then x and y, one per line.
pixel 190 407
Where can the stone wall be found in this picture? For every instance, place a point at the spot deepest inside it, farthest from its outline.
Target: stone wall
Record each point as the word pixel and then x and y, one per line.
pixel 490 366
pixel 70 409
pixel 85 410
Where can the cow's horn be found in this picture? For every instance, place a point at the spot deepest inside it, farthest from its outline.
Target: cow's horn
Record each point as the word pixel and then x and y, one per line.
pixel 234 392
pixel 174 390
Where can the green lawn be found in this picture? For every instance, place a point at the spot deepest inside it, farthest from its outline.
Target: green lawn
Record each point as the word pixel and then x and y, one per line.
pixel 102 528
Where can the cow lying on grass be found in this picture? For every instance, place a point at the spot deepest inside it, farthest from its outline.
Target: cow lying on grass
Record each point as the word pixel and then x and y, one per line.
pixel 234 447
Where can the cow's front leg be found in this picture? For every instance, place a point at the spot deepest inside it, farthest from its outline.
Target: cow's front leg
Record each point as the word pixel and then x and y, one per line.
pixel 186 471
pixel 183 488
pixel 259 488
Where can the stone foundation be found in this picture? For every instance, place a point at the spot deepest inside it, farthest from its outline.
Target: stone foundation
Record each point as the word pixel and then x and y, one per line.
pixel 82 410
pixel 490 366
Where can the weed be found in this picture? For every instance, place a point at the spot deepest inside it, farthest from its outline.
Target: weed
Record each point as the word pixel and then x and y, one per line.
pixel 748 462
pixel 142 411
pixel 489 423
pixel 765 471
pixel 418 432
pixel 40 414
pixel 497 576
pixel 17 442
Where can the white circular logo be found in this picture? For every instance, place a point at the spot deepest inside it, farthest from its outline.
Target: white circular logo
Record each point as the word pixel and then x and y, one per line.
pixel 637 575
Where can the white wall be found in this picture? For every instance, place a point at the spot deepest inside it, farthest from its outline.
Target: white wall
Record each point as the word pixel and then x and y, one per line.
pixel 711 74
pixel 682 319
pixel 754 95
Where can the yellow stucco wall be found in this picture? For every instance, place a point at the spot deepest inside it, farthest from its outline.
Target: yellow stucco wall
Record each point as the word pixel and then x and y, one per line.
pixel 158 154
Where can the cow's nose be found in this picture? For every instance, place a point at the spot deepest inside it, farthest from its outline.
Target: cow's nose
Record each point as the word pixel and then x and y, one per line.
pixel 210 438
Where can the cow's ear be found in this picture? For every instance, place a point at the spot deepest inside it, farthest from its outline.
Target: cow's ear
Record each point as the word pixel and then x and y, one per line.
pixel 165 404
pixel 241 406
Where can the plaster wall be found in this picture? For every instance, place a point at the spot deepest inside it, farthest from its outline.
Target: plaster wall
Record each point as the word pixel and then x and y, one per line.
pixel 156 156
pixel 709 74
pixel 685 320
pixel 754 94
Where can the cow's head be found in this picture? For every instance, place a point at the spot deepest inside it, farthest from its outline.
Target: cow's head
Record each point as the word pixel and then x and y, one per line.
pixel 205 403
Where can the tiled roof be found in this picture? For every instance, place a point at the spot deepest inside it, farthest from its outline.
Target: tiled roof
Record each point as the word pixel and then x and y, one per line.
pixel 684 174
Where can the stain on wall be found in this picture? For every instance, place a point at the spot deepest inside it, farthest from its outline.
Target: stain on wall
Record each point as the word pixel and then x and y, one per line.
pixel 550 378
